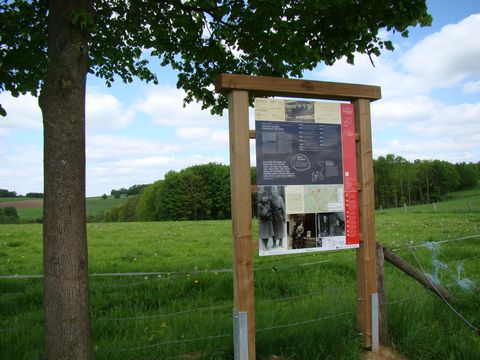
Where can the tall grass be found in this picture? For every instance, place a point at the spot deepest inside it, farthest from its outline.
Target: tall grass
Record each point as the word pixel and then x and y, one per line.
pixel 305 304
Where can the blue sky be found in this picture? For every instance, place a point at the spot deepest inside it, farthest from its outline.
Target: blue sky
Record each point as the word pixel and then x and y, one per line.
pixel 430 109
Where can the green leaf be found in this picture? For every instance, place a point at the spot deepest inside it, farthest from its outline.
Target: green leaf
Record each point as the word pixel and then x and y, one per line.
pixel 2 111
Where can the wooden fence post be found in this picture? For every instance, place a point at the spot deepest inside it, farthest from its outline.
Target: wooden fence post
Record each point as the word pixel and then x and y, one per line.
pixel 241 211
pixel 382 297
pixel 366 253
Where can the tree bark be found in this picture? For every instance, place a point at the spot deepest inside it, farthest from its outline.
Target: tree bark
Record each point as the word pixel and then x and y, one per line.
pixel 67 321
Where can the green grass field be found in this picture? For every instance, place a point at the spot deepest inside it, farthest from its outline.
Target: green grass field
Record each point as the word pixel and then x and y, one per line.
pixel 95 205
pixel 8 199
pixel 305 304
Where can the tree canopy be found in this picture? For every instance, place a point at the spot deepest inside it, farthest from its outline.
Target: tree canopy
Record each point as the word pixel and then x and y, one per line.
pixel 202 39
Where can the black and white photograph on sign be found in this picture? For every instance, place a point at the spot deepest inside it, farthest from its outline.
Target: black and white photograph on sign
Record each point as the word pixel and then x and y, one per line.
pixel 299 111
pixel 301 231
pixel 331 224
pixel 305 153
pixel 331 230
pixel 272 226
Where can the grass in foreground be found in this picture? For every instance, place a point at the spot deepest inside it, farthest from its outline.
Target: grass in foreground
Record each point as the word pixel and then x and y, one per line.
pixel 305 304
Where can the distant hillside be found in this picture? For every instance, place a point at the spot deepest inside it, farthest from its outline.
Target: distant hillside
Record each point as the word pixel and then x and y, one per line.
pixel 32 208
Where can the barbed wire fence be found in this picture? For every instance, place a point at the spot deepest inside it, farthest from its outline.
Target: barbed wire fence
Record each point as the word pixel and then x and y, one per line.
pixel 225 310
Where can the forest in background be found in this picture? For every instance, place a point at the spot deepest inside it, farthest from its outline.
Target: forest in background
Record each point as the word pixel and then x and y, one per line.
pixel 202 192
pixel 399 181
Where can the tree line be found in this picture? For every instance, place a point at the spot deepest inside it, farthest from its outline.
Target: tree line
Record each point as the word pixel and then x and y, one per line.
pixel 132 190
pixel 7 193
pixel 202 192
pixel 399 181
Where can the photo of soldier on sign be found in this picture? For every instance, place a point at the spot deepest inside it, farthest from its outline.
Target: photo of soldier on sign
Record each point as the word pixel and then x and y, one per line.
pixel 306 187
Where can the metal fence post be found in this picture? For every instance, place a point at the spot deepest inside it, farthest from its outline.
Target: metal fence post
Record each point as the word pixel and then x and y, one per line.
pixel 240 335
pixel 375 328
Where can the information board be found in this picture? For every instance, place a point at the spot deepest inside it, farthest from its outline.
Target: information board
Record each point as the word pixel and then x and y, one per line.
pixel 306 176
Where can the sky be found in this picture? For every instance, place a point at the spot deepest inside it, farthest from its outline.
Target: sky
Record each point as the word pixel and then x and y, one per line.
pixel 430 109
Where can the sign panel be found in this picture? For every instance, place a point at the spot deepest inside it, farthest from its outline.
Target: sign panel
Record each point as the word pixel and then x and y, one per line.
pixel 306 176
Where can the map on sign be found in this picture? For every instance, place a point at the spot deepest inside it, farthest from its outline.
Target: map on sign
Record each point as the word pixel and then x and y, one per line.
pixel 306 176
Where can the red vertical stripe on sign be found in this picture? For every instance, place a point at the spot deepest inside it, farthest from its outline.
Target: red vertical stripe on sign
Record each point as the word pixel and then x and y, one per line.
pixel 350 175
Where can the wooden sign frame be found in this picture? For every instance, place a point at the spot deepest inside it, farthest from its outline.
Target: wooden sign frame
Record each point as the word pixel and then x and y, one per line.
pixel 239 88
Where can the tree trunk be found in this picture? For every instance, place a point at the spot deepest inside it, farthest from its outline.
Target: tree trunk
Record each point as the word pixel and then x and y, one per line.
pixel 428 191
pixel 67 322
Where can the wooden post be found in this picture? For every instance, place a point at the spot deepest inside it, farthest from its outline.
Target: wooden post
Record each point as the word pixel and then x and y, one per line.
pixel 382 297
pixel 366 254
pixel 241 211
pixel 239 87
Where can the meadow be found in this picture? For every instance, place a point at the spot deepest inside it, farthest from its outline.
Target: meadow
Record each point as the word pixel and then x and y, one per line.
pixel 95 205
pixel 179 304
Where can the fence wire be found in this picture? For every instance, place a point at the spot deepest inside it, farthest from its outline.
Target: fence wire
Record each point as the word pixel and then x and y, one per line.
pixel 306 322
pixel 439 294
pixel 258 330
pixel 201 309
pixel 166 343
pixel 163 276
pixel 174 274
pixel 428 243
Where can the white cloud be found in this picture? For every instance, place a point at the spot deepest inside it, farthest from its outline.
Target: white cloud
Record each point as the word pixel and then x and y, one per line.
pixel 424 119
pixel 105 111
pixel 102 177
pixel 204 137
pixel 447 57
pixel 460 122
pixel 110 147
pixel 441 60
pixel 197 159
pixel 384 74
pixel 403 110
pixel 428 149
pixel 149 162
pixel 23 113
pixel 102 111
pixel 23 156
pixel 446 132
pixel 3 132
pixel 164 106
pixel 21 169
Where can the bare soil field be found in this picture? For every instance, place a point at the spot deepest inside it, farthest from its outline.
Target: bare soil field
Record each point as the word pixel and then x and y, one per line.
pixel 23 204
